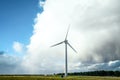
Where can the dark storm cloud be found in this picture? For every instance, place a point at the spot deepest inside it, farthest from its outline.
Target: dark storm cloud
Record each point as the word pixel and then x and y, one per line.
pixel 109 51
pixel 112 65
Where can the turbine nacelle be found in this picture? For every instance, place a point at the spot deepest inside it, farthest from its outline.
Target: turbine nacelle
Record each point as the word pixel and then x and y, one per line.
pixel 66 41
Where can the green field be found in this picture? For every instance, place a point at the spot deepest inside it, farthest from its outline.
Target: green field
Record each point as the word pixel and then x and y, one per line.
pixel 57 78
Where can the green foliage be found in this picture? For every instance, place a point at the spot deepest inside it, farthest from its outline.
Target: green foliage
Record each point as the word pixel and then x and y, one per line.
pixel 95 73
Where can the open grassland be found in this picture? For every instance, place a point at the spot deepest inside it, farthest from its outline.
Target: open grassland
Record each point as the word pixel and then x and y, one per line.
pixel 57 78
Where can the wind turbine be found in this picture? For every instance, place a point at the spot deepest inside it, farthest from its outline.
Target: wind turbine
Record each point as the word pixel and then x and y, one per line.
pixel 66 43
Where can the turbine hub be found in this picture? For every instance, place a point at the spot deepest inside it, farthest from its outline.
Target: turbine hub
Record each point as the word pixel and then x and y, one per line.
pixel 66 41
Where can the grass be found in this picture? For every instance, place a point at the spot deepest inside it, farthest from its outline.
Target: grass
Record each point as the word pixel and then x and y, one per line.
pixel 57 78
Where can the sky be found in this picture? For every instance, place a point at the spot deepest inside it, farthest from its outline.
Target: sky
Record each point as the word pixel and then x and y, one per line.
pixel 16 19
pixel 30 27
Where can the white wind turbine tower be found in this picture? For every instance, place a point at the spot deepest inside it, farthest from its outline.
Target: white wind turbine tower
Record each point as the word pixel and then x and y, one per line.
pixel 66 43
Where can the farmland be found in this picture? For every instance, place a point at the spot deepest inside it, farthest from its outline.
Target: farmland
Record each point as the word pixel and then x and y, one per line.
pixel 17 77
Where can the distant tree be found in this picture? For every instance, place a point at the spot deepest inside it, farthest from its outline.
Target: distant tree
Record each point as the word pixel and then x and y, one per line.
pixel 95 73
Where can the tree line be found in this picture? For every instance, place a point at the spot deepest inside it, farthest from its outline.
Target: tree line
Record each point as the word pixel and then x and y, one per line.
pixel 94 73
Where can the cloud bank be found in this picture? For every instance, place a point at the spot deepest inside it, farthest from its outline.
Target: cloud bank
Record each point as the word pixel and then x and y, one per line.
pixel 9 64
pixel 94 33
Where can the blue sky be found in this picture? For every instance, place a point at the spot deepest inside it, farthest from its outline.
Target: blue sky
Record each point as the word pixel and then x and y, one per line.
pixel 16 21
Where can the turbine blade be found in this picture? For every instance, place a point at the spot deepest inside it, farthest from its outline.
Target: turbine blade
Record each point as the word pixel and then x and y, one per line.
pixel 72 47
pixel 67 32
pixel 57 44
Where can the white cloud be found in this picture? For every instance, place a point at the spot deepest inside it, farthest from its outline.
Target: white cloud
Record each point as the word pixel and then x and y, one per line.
pixel 94 34
pixel 18 47
pixel 41 3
